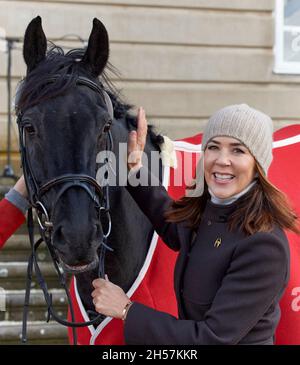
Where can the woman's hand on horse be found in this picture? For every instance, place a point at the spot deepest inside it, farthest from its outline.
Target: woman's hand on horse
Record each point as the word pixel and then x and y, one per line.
pixel 137 141
pixel 20 187
pixel 108 298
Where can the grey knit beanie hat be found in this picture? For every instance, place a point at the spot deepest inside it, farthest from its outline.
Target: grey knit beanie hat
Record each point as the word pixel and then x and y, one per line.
pixel 250 126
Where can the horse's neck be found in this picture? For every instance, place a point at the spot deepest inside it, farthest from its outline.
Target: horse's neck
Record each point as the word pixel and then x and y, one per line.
pixel 130 234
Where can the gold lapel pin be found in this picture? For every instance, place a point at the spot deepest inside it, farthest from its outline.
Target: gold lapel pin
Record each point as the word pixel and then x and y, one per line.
pixel 218 241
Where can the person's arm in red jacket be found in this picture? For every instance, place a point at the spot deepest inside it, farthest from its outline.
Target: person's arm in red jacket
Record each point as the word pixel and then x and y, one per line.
pixel 12 210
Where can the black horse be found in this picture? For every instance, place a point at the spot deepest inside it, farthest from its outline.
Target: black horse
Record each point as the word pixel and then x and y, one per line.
pixel 64 123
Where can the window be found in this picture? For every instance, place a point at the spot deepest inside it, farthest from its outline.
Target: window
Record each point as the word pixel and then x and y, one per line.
pixel 287 41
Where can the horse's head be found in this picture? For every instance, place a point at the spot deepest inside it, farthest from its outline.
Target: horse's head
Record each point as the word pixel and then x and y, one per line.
pixel 63 118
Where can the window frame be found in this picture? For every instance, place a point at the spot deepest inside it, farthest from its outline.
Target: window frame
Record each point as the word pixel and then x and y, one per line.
pixel 281 66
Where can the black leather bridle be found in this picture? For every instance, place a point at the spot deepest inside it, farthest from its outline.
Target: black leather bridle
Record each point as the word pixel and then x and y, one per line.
pixel 36 193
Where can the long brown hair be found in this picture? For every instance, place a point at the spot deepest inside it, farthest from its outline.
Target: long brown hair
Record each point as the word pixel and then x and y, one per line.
pixel 259 209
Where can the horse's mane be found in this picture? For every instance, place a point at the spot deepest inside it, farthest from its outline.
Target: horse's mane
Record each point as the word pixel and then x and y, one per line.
pixel 36 88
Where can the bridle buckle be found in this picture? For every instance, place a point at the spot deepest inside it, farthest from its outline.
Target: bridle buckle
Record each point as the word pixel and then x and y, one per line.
pixel 47 225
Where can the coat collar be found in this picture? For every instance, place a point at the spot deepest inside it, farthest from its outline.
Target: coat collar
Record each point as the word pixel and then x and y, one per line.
pixel 217 212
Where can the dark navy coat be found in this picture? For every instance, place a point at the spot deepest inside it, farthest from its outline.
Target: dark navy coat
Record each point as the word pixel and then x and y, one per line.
pixel 228 285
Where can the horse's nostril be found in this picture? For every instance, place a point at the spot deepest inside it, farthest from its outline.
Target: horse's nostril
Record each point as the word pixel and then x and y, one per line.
pixel 62 235
pixel 58 235
pixel 96 231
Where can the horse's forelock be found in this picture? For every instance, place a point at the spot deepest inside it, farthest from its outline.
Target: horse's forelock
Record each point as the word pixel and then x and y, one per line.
pixel 35 87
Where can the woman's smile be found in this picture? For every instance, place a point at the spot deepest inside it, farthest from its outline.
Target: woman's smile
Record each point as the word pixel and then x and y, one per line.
pixel 222 178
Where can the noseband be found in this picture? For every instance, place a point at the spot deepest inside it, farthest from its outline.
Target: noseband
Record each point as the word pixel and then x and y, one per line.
pixel 36 193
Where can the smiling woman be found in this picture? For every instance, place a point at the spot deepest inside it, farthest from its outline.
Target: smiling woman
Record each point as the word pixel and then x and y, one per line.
pixel 237 153
pixel 234 262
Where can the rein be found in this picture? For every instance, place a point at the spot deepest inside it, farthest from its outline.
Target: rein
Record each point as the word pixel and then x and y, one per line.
pixel 100 197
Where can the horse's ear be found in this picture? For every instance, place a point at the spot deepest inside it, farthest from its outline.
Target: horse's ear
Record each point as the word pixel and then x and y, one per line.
pixel 35 44
pixel 96 55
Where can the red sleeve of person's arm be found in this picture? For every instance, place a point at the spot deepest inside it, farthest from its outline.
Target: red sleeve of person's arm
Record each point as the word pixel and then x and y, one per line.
pixel 10 220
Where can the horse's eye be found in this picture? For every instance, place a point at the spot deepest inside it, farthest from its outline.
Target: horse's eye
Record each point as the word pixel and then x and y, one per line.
pixel 29 129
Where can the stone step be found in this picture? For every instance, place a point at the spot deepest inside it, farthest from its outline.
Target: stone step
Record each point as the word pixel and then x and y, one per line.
pixel 13 275
pixel 5 185
pixel 17 248
pixel 38 332
pixel 18 242
pixel 13 302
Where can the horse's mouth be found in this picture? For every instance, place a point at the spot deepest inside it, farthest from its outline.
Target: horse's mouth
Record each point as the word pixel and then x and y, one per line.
pixel 76 269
